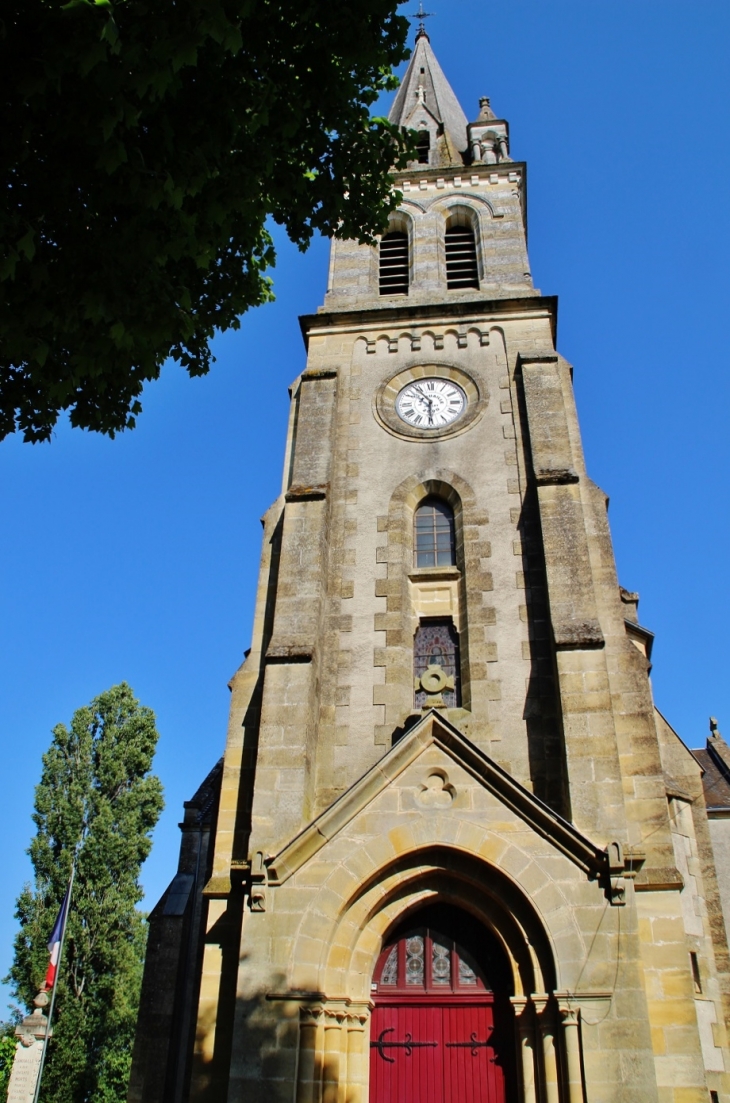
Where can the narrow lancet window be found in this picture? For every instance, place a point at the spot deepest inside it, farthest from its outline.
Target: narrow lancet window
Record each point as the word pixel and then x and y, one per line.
pixel 461 258
pixel 394 263
pixel 433 535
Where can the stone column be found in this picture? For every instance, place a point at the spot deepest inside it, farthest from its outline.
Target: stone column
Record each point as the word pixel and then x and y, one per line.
pixel 308 1069
pixel 526 1042
pixel 569 1016
pixel 547 1032
pixel 331 1068
pixel 356 1066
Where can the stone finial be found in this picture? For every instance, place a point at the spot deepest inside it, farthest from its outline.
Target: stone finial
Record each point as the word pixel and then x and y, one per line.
pixel 718 748
pixel 485 110
pixel 34 1026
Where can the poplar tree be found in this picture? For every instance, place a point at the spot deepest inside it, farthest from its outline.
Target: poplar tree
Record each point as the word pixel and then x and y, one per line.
pixel 96 799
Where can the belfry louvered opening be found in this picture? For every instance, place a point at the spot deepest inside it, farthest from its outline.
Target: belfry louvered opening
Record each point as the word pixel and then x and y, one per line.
pixel 423 147
pixel 461 258
pixel 394 263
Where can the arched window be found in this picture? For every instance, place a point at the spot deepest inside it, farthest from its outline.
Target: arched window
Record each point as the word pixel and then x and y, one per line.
pixel 425 960
pixel 461 258
pixel 436 645
pixel 433 535
pixel 394 263
pixel 423 146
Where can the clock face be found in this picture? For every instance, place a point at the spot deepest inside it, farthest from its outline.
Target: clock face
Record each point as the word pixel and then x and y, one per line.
pixel 430 403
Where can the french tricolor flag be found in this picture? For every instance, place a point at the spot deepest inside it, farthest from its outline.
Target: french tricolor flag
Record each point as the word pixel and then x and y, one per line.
pixel 54 942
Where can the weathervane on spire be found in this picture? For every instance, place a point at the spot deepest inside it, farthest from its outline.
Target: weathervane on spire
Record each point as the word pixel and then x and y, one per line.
pixel 421 15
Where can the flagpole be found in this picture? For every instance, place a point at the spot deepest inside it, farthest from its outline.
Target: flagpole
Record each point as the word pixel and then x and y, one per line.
pixel 55 982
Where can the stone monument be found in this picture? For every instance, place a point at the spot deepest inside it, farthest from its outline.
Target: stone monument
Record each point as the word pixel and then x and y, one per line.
pixel 31 1035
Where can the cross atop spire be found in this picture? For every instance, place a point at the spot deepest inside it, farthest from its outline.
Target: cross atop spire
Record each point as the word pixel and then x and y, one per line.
pixel 421 15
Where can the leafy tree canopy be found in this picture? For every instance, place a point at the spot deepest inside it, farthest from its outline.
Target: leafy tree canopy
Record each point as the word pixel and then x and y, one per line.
pixel 144 145
pixel 8 1045
pixel 96 793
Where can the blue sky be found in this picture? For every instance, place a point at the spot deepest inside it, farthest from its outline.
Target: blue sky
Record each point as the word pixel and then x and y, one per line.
pixel 136 559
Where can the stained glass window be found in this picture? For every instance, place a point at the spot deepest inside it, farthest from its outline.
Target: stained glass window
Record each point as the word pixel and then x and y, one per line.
pixel 423 960
pixel 433 536
pixel 440 963
pixel 415 965
pixel 467 976
pixel 390 969
pixel 437 644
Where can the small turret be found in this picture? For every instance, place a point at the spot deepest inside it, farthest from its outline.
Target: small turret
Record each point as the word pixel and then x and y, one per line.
pixel 488 136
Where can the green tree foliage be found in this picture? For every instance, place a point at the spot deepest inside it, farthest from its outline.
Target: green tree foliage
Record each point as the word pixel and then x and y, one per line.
pixel 8 1045
pixel 144 145
pixel 96 790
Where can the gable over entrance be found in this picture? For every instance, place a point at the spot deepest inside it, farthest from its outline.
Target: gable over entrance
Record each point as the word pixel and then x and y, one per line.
pixel 435 731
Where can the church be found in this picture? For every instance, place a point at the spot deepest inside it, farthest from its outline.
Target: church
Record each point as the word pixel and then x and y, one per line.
pixel 452 853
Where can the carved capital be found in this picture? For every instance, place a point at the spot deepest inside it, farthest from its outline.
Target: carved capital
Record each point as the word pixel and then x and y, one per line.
pixel 568 1014
pixel 334 1016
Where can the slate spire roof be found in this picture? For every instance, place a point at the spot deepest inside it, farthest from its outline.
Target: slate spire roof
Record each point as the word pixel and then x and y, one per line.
pixel 425 86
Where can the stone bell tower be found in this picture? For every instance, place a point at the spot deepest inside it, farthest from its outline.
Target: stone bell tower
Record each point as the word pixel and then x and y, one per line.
pixel 451 840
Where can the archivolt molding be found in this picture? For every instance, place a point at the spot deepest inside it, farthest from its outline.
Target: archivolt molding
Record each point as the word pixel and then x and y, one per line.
pixel 405 203
pixel 425 876
pixel 335 1019
pixel 375 896
pixel 444 204
pixel 445 483
pixel 353 938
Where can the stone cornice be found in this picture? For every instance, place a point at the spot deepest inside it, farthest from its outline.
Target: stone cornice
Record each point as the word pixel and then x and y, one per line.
pixel 438 172
pixel 427 313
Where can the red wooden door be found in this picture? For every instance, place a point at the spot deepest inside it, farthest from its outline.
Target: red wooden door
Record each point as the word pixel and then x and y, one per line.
pixel 399 1071
pixel 472 1070
pixel 434 1054
pixel 433 1037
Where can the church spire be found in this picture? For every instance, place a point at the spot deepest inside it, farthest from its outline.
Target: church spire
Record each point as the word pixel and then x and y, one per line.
pixel 426 102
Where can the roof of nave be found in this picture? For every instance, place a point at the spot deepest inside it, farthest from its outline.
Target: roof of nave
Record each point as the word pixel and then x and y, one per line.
pixel 203 805
pixel 425 84
pixel 715 761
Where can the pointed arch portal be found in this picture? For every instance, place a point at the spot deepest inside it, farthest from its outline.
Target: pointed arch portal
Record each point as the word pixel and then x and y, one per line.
pixel 442 1025
pixel 482 968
